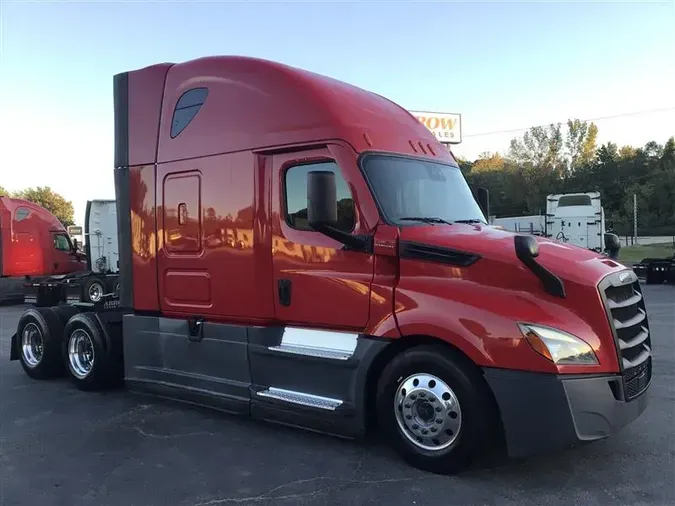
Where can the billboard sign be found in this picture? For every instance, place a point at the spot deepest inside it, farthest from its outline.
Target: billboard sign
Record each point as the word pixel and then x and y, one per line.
pixel 447 127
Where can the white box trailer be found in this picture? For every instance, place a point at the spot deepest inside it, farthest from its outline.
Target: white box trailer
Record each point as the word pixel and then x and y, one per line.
pixel 101 236
pixel 576 218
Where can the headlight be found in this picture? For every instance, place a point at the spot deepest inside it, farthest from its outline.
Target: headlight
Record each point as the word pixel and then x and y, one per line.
pixel 558 346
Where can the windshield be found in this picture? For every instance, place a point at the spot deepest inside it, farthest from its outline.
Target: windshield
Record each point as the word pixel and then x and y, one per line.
pixel 410 190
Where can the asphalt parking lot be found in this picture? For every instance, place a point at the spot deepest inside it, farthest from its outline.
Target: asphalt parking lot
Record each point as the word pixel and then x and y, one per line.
pixel 59 446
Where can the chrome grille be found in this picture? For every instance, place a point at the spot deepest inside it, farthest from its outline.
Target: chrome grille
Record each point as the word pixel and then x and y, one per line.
pixel 627 315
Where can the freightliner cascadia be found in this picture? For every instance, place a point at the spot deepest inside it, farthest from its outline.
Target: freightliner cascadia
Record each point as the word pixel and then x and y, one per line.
pixel 33 244
pixel 302 251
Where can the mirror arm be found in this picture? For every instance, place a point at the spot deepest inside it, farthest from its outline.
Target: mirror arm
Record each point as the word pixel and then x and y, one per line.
pixel 351 242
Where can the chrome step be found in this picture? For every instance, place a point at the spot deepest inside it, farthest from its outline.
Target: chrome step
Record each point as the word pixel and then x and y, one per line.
pixel 313 401
pixel 309 351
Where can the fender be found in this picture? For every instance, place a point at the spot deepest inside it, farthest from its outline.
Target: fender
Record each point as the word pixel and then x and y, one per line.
pixel 487 340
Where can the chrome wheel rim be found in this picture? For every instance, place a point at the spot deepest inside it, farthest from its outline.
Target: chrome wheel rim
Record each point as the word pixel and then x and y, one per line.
pixel 32 345
pixel 95 292
pixel 428 412
pixel 81 353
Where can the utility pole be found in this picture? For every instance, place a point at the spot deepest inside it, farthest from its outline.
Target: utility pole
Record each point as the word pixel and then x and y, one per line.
pixel 634 218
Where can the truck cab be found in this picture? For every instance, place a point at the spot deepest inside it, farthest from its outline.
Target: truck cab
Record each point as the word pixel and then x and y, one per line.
pixel 302 251
pixel 33 242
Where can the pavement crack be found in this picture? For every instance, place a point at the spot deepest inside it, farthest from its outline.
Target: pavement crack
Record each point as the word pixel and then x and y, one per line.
pixel 266 496
pixel 173 436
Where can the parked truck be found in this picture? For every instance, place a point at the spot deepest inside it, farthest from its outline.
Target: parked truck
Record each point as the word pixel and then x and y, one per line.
pixel 302 251
pixel 656 271
pixel 576 218
pixel 572 218
pixel 100 274
pixel 33 245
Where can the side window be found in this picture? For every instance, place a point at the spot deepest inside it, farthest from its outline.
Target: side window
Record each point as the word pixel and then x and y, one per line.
pixel 187 107
pixel 295 184
pixel 61 242
pixel 21 214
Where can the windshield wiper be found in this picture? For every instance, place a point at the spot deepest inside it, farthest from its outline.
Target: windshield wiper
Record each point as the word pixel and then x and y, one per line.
pixel 425 219
pixel 469 221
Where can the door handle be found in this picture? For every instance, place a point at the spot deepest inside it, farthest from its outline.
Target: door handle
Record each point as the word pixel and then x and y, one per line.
pixel 285 292
pixel 195 328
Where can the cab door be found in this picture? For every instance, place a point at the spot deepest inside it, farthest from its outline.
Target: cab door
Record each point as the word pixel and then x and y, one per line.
pixel 63 255
pixel 317 282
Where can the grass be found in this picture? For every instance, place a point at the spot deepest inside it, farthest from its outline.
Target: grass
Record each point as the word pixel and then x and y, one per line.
pixel 633 254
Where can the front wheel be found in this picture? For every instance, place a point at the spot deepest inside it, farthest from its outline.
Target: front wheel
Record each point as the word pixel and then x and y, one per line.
pixel 434 409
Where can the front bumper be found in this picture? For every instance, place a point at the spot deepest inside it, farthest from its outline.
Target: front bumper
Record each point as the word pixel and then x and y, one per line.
pixel 547 412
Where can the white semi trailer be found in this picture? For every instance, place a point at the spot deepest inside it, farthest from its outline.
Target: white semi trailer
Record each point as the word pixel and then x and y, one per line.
pixel 574 218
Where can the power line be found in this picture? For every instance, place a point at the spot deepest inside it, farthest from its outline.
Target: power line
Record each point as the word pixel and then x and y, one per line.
pixel 620 115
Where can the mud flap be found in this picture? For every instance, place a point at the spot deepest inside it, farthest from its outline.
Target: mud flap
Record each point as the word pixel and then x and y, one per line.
pixel 14 348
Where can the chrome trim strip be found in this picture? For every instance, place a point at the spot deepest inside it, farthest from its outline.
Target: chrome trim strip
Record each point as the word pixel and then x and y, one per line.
pixel 314 401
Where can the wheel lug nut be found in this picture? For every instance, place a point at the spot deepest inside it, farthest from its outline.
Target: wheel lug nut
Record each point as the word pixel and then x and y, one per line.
pixel 415 426
pixel 413 396
pixel 439 420
pixel 423 394
pixel 408 417
pixel 438 409
pixel 433 429
pixel 425 431
pixel 408 405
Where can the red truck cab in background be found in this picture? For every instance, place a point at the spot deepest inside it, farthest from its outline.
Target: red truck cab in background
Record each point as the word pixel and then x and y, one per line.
pixel 305 252
pixel 33 242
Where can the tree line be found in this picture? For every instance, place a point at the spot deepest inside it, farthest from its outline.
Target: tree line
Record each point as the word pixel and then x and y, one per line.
pixel 566 159
pixel 49 199
pixel 545 160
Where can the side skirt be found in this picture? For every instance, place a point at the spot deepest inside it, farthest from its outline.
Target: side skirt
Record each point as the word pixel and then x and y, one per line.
pixel 306 378
pixel 315 379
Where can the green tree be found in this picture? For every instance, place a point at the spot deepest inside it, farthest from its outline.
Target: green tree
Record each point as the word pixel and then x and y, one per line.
pixel 580 143
pixel 3 192
pixel 540 148
pixel 489 162
pixel 57 205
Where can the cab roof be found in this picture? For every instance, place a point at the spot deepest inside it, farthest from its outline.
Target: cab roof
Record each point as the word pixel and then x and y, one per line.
pixel 257 104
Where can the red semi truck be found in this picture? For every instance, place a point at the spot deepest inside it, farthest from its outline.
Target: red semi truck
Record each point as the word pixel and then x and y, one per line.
pixel 305 252
pixel 33 243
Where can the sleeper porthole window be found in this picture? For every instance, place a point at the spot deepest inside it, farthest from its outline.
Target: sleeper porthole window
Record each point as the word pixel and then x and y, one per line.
pixel 187 107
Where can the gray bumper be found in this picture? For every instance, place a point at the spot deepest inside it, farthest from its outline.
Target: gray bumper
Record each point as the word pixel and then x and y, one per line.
pixel 545 412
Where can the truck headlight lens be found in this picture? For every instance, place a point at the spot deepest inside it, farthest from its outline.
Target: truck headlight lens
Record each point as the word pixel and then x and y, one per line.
pixel 558 346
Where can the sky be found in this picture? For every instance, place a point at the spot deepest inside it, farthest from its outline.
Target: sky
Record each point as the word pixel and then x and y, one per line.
pixel 504 66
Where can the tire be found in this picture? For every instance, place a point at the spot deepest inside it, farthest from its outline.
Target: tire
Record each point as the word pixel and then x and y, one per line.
pixel 462 425
pixel 113 286
pixel 65 312
pixel 93 290
pixel 40 338
pixel 89 360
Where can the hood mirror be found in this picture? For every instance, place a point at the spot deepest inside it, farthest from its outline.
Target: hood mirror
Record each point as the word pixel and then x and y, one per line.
pixel 527 249
pixel 612 246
